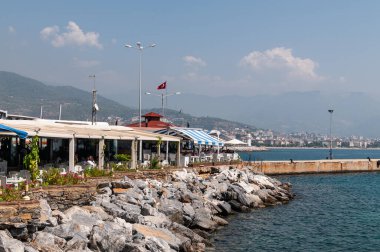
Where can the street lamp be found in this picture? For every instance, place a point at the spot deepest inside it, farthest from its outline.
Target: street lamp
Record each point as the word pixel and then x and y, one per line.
pixel 162 99
pixel 331 113
pixel 140 48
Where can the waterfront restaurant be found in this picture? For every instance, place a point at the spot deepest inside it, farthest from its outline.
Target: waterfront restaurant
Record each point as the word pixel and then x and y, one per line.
pixel 65 143
pixel 196 144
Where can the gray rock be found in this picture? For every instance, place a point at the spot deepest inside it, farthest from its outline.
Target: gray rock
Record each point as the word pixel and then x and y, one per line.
pixel 69 230
pixel 140 184
pixel 130 208
pixel 237 206
pixel 127 199
pixel 98 213
pixel 111 236
pixel 77 243
pixel 188 210
pixel 46 211
pixel 219 221
pixel 157 244
pixel 186 232
pixel 113 209
pixel 8 244
pixel 103 185
pixel 225 207
pixel 159 221
pixel 148 210
pixel 104 190
pixel 61 217
pixel 125 184
pixel 29 249
pixel 151 233
pixel 48 242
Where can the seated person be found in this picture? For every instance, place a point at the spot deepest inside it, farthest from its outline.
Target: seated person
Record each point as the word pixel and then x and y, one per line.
pixel 90 161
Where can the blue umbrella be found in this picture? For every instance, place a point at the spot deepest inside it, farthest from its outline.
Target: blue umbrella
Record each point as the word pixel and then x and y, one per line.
pixel 20 133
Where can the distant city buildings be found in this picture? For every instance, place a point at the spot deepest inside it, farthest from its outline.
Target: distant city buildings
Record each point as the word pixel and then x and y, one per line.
pixel 269 138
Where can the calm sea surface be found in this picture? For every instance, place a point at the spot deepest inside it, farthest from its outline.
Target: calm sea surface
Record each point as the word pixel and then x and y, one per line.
pixel 337 212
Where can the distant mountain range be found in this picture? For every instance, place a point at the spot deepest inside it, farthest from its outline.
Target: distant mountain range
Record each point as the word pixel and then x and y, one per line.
pixel 354 113
pixel 25 96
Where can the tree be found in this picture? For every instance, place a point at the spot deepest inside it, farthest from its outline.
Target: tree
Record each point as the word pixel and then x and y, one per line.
pixel 32 159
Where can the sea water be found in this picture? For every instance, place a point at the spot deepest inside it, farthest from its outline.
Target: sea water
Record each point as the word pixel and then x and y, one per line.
pixel 331 212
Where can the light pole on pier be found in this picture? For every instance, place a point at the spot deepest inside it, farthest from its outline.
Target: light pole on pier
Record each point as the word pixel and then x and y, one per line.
pixel 331 113
pixel 140 48
pixel 162 99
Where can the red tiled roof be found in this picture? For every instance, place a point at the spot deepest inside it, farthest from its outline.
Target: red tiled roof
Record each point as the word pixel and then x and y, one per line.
pixel 151 124
pixel 152 114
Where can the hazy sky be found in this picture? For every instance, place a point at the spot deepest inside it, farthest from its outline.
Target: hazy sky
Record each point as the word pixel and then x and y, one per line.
pixel 203 47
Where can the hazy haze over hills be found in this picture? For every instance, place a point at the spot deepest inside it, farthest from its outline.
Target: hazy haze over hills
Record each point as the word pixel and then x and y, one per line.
pixel 25 96
pixel 354 113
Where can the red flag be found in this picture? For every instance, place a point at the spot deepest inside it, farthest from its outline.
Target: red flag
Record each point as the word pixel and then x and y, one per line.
pixel 162 86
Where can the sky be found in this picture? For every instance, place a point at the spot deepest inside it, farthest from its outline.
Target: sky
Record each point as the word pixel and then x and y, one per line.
pixel 214 48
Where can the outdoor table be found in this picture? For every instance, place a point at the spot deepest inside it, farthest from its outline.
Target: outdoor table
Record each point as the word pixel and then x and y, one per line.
pixel 15 181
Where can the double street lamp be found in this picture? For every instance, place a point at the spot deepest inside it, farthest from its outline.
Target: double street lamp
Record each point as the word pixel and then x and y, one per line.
pixel 140 48
pixel 162 99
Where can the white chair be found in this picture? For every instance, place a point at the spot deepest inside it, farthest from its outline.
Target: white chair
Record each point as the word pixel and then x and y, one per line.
pixel 3 168
pixel 165 163
pixel 146 157
pixel 3 181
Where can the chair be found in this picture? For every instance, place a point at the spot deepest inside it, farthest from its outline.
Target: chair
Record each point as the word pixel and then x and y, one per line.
pixel 165 163
pixel 13 174
pixel 25 174
pixel 3 181
pixel 146 157
pixel 3 168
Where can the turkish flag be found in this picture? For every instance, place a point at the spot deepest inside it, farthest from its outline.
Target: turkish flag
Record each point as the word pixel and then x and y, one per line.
pixel 162 86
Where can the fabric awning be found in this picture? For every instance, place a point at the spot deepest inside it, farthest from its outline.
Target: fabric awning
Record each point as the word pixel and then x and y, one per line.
pixel 197 135
pixel 20 133
pixel 235 142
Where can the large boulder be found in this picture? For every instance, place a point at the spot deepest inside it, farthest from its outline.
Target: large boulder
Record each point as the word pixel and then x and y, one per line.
pixel 8 244
pixel 158 233
pixel 112 209
pixel 48 242
pixel 77 243
pixel 111 236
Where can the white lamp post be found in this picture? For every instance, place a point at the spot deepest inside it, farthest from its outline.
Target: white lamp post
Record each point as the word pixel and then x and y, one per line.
pixel 162 99
pixel 331 113
pixel 140 48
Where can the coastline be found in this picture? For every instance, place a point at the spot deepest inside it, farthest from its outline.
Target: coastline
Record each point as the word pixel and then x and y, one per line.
pixel 177 213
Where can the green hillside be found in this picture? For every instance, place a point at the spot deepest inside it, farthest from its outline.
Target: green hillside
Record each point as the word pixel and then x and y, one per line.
pixel 25 96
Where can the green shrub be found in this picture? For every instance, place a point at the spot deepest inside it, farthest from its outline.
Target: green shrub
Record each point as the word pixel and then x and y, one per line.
pixel 53 177
pixel 94 172
pixel 155 163
pixel 32 159
pixel 10 193
pixel 122 157
pixel 119 167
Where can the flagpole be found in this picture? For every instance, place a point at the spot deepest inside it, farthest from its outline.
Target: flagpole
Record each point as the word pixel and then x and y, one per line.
pixel 166 96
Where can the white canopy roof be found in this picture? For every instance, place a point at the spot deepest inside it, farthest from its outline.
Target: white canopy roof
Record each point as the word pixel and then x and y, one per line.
pixel 234 142
pixel 70 129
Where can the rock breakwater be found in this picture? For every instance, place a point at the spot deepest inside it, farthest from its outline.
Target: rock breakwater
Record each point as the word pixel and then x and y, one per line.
pixel 176 214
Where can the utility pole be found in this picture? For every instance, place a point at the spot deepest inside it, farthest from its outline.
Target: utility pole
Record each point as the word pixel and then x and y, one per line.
pixel 94 105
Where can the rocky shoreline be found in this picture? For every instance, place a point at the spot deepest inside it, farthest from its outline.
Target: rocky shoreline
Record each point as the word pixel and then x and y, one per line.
pixel 177 214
